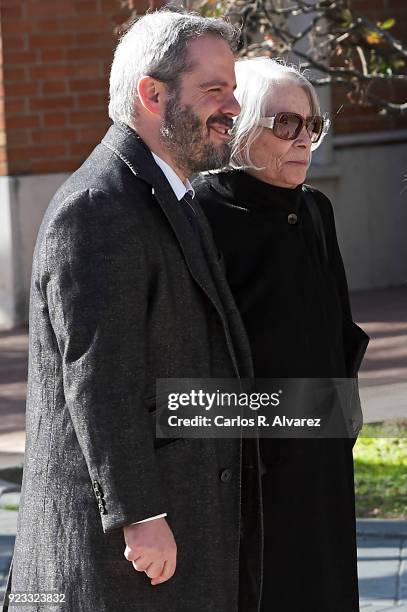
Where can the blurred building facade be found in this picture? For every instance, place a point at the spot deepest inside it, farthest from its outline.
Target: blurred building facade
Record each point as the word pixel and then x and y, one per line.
pixel 368 182
pixel 55 59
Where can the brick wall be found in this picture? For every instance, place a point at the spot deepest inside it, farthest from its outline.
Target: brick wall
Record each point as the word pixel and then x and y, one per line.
pixel 349 118
pixel 3 156
pixel 56 57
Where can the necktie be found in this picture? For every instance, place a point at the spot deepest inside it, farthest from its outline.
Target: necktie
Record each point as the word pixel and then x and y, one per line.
pixel 190 213
pixel 200 228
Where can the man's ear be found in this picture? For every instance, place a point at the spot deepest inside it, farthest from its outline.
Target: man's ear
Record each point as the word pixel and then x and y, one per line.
pixel 152 94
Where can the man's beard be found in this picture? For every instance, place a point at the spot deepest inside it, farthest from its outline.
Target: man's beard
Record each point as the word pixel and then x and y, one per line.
pixel 187 139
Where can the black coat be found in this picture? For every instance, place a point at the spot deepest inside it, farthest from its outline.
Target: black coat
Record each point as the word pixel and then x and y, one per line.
pixel 295 307
pixel 121 295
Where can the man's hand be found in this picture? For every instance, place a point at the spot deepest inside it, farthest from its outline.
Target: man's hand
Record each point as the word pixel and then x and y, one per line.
pixel 151 547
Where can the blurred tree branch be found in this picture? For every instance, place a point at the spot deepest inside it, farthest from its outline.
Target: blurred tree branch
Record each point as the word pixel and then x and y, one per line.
pixel 344 48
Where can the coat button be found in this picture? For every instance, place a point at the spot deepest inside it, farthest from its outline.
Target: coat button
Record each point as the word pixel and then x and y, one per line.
pixel 292 218
pixel 226 475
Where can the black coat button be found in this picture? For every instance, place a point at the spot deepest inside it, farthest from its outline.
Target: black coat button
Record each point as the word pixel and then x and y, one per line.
pixel 292 218
pixel 226 475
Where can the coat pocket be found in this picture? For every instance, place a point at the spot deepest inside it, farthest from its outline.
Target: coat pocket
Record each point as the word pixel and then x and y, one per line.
pixel 151 406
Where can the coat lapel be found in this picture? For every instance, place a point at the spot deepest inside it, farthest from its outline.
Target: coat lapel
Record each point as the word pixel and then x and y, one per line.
pixel 188 241
pixel 202 260
pixel 238 332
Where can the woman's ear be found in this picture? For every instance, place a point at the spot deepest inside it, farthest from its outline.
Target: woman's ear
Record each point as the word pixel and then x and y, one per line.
pixel 152 94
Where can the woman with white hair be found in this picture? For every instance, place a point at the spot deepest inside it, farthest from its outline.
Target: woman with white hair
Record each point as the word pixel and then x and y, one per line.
pixel 284 267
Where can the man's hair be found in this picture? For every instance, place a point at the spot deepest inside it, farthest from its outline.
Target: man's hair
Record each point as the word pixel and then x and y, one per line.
pixel 156 45
pixel 256 79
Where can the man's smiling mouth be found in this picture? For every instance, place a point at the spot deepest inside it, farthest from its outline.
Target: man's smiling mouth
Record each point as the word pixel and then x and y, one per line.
pixel 221 124
pixel 221 130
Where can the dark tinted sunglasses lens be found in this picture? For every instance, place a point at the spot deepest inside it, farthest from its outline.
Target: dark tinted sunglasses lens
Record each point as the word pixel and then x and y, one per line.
pixel 315 128
pixel 287 126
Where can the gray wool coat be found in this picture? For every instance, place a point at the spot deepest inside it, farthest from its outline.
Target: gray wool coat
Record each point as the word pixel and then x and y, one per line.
pixel 122 294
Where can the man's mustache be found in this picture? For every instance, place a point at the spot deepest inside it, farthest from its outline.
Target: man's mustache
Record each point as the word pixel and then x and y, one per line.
pixel 222 119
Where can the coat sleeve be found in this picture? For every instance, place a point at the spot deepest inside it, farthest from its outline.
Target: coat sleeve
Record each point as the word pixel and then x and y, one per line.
pixel 95 283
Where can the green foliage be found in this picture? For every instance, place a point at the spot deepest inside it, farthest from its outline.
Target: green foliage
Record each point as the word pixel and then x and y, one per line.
pixel 381 471
pixel 12 507
pixel 386 25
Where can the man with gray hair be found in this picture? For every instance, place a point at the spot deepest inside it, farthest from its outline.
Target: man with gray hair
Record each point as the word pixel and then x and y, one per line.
pixel 127 288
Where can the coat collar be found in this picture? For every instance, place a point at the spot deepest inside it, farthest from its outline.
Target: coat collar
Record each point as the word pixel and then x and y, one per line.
pixel 133 151
pixel 252 195
pixel 178 187
pixel 204 268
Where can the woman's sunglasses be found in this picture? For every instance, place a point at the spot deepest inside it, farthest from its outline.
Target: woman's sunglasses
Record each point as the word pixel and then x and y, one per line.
pixel 288 126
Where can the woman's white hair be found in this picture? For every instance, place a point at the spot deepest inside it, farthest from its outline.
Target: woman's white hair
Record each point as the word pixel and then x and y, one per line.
pixel 255 79
pixel 157 45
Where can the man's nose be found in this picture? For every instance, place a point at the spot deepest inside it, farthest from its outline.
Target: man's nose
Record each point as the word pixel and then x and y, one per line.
pixel 231 107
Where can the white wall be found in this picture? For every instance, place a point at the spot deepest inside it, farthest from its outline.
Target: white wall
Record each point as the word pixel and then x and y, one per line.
pixel 368 188
pixel 23 201
pixel 7 274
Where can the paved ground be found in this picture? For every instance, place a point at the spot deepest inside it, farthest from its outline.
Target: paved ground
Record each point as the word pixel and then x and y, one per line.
pixel 383 315
pixel 382 565
pixel 383 377
pixel 13 374
pixel 382 545
pixel 382 561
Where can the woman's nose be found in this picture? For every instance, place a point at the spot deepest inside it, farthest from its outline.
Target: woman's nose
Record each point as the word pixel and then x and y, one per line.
pixel 303 139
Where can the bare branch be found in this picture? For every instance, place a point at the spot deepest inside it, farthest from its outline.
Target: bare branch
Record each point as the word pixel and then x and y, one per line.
pixel 351 72
pixel 391 107
pixel 362 60
pixel 363 54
